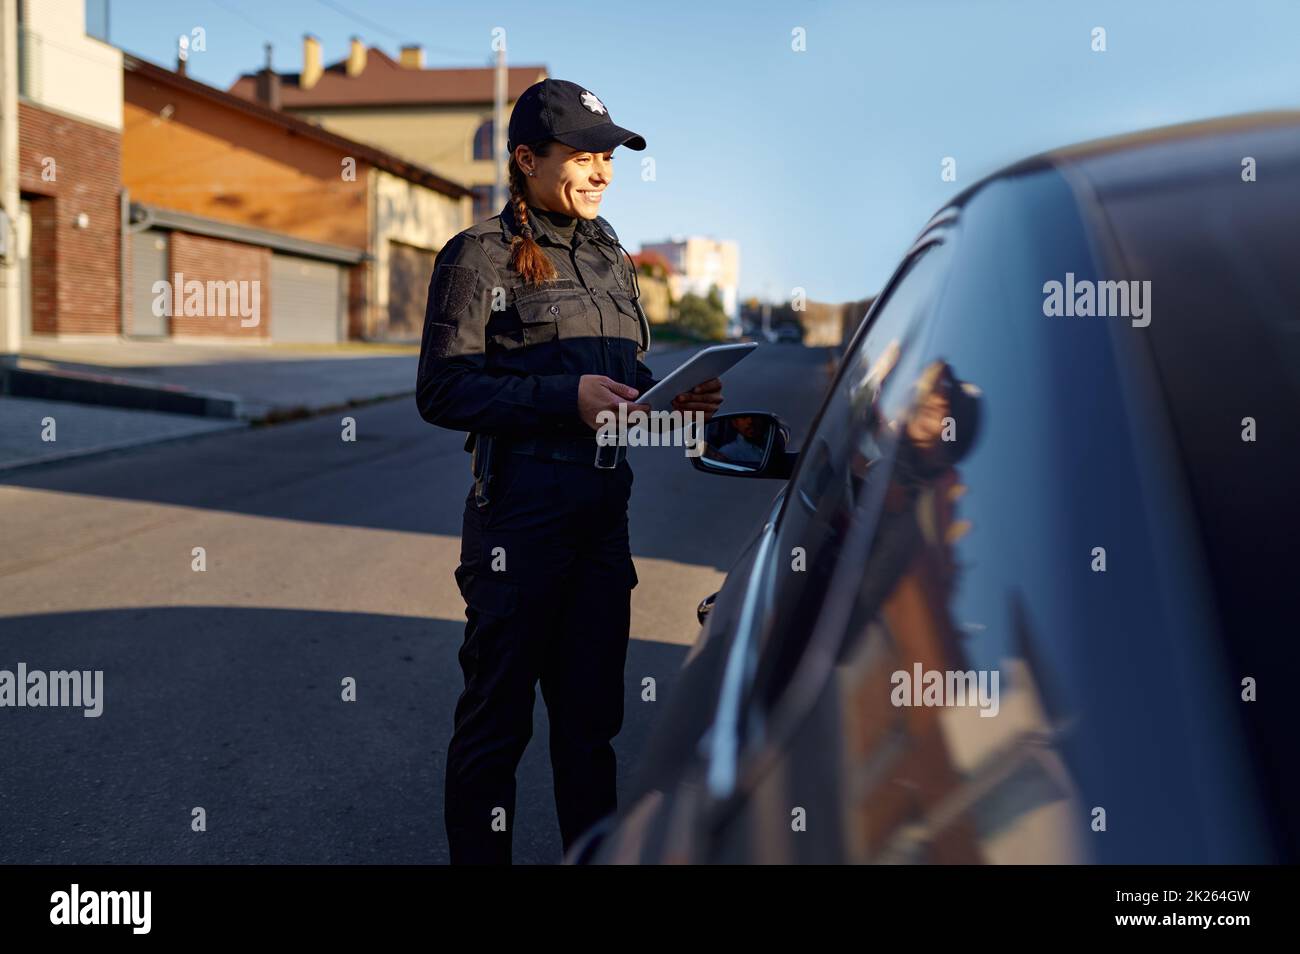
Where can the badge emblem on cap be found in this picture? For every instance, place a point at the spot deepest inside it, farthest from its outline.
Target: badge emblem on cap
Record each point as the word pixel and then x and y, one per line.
pixel 591 102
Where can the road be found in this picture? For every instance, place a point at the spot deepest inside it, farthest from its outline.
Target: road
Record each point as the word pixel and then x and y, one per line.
pixel 325 560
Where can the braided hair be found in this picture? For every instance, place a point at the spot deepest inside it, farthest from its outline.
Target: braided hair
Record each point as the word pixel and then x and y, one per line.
pixel 526 256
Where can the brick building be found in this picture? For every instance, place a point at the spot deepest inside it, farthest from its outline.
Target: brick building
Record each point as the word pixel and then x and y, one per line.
pixel 69 161
pixel 339 237
pixel 149 204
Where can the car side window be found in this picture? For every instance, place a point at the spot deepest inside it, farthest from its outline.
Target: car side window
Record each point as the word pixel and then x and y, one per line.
pixel 843 449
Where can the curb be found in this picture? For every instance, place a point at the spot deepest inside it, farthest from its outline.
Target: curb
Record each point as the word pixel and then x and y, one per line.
pixel 82 387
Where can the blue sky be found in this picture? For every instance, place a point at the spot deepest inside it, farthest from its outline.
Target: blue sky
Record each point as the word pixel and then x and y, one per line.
pixel 822 164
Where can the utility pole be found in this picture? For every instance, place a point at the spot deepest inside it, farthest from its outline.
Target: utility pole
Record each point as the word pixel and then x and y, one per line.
pixel 10 293
pixel 499 189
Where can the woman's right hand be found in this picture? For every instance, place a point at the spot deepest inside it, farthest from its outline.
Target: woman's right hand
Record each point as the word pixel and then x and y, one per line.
pixel 597 393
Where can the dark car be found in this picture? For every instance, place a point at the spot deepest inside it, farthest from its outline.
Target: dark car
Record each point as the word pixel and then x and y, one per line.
pixel 1028 593
pixel 789 334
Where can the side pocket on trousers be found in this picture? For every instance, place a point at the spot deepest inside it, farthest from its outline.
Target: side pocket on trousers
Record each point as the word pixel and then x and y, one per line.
pixel 486 592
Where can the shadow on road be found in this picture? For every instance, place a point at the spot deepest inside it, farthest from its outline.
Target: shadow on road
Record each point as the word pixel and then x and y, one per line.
pixel 240 712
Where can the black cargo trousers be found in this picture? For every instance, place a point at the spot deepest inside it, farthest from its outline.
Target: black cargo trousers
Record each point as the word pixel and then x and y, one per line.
pixel 546 573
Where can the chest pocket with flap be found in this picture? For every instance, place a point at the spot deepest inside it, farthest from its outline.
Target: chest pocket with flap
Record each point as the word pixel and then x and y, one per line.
pixel 557 313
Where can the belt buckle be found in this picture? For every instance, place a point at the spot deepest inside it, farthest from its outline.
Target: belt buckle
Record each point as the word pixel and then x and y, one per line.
pixel 606 452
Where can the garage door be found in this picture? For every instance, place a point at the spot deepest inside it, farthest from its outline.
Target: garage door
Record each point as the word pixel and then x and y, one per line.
pixel 409 271
pixel 148 266
pixel 307 300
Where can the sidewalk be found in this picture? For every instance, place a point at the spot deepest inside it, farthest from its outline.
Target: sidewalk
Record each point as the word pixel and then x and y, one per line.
pixel 117 394
pixel 267 382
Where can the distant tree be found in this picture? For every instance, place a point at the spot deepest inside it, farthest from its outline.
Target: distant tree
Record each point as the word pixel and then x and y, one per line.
pixel 715 298
pixel 701 318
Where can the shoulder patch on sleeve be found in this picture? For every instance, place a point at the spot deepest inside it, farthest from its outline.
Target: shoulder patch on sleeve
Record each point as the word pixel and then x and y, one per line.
pixel 453 287
pixel 438 340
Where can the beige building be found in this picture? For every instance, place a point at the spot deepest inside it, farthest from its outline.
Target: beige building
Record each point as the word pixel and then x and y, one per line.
pixel 697 264
pixel 64 68
pixel 438 118
pixel 654 277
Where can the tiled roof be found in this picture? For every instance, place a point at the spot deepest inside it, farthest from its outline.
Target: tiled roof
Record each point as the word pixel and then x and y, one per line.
pixel 652 259
pixel 385 82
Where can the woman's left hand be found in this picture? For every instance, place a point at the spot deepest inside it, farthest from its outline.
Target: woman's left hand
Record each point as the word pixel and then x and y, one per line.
pixel 706 397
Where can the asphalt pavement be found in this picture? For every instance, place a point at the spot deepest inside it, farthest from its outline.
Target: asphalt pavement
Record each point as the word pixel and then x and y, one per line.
pixel 324 560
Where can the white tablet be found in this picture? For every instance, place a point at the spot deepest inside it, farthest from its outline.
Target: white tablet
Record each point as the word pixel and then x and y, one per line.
pixel 700 367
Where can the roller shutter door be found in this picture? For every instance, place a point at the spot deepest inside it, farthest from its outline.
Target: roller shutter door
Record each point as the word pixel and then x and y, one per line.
pixel 148 266
pixel 307 300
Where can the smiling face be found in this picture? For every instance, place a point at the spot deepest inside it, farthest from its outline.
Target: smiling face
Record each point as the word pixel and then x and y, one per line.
pixel 568 181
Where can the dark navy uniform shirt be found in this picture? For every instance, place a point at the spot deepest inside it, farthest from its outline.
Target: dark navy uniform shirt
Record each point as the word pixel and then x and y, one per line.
pixel 499 356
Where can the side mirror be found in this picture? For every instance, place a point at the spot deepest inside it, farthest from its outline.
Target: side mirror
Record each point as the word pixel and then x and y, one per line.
pixel 745 444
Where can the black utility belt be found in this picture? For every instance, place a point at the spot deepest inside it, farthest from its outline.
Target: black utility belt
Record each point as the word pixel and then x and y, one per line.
pixel 574 450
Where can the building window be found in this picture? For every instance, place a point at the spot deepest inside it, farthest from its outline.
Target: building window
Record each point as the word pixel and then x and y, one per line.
pixel 483 138
pixel 97 19
pixel 483 204
pixel 24 57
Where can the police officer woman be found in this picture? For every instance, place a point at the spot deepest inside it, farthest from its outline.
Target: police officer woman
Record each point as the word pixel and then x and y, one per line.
pixel 532 329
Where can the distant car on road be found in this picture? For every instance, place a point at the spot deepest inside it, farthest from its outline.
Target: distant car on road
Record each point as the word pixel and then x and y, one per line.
pixel 783 334
pixel 1027 593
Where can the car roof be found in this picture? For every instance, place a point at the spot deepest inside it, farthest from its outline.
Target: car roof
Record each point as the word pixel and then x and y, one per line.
pixel 1132 160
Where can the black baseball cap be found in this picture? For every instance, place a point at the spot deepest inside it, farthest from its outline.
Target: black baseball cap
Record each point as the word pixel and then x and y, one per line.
pixel 569 113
